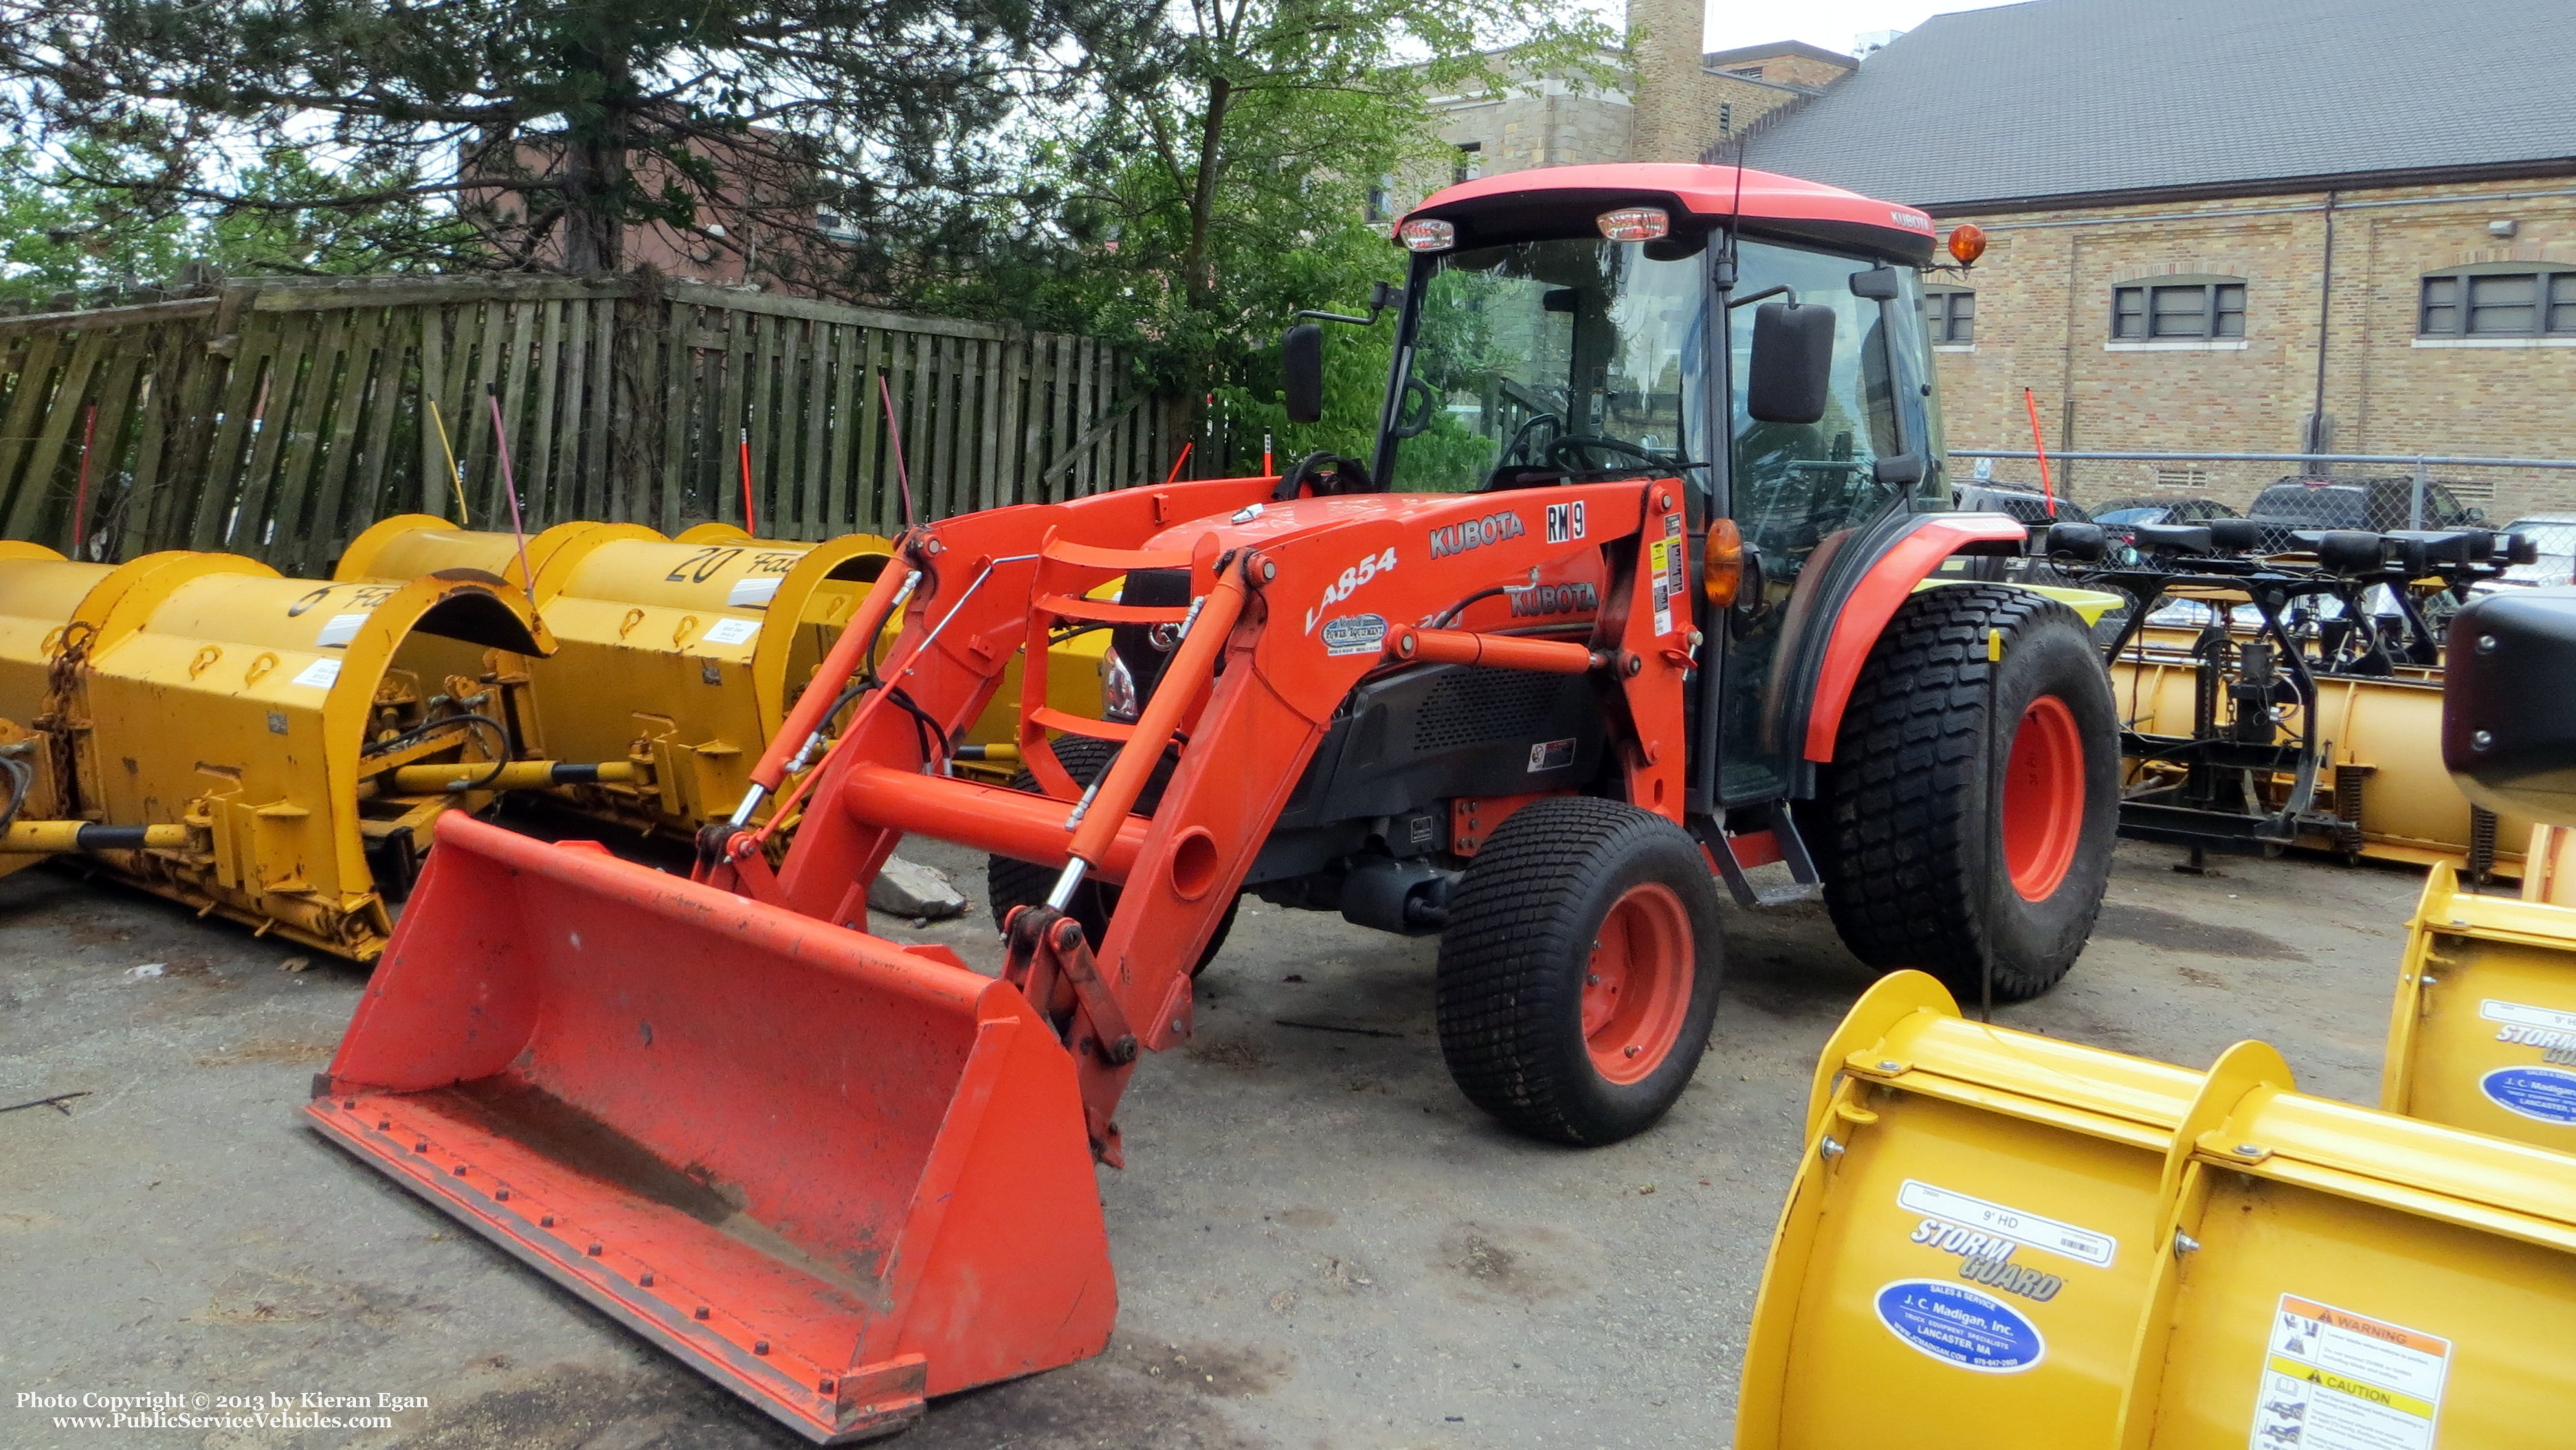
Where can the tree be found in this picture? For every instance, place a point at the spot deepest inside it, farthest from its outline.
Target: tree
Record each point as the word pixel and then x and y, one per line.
pixel 554 130
pixel 1226 183
pixel 60 232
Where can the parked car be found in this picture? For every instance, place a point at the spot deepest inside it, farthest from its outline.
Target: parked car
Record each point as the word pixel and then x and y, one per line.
pixel 2124 512
pixel 2376 504
pixel 2120 517
pixel 2555 536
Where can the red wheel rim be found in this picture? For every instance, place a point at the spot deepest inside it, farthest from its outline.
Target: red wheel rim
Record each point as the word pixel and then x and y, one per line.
pixel 2043 798
pixel 1637 984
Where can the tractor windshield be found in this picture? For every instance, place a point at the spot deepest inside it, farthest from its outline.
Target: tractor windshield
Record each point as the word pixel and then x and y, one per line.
pixel 1572 357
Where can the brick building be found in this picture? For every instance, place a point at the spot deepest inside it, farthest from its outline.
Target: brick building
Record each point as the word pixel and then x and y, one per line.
pixel 2216 225
pixel 1698 100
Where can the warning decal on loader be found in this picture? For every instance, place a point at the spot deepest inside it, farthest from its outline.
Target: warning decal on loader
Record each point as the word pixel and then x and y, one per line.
pixel 2335 1380
pixel 1959 1325
pixel 1658 564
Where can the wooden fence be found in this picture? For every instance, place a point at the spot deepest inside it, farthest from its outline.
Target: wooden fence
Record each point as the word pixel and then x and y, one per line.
pixel 279 417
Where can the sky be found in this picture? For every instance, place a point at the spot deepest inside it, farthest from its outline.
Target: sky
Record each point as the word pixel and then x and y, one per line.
pixel 1829 23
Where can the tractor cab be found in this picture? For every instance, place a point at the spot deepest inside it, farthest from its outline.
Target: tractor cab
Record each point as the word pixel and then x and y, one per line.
pixel 1557 326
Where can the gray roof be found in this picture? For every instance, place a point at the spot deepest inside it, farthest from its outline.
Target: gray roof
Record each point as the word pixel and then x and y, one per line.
pixel 1715 58
pixel 2065 98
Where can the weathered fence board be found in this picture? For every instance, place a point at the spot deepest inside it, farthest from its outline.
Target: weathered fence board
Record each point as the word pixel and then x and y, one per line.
pixel 280 417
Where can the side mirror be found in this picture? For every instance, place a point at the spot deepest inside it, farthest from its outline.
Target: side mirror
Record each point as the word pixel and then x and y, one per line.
pixel 1879 284
pixel 1301 367
pixel 1793 363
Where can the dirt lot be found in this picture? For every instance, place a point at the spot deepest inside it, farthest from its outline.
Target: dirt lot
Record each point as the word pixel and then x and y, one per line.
pixel 1319 1243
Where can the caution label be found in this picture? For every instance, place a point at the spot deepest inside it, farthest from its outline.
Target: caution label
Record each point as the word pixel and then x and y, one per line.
pixel 2336 1380
pixel 1659 562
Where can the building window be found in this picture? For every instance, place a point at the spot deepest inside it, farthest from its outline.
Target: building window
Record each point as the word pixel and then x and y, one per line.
pixel 1748 72
pixel 1471 160
pixel 1378 209
pixel 2539 303
pixel 2196 311
pixel 1951 316
pixel 1725 118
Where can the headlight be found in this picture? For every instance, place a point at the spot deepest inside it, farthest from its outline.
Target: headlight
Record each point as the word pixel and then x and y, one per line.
pixel 1118 691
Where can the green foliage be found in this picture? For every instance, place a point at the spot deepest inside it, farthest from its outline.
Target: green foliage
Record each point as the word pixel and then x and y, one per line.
pixel 77 227
pixel 1193 210
pixel 1178 178
pixel 551 132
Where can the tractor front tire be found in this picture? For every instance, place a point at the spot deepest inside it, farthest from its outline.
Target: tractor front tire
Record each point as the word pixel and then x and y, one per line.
pixel 1010 883
pixel 1578 976
pixel 1973 798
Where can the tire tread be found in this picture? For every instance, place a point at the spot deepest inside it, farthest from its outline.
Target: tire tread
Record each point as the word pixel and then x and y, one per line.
pixel 1502 983
pixel 1903 876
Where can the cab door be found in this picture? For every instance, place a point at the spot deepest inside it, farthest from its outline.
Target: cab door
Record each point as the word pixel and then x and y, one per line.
pixel 1805 494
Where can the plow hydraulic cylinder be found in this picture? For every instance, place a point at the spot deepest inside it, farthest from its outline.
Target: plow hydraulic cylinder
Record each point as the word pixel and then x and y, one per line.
pixel 54 838
pixel 509 775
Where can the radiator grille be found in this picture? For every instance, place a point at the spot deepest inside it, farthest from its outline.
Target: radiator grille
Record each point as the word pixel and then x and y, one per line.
pixel 1479 707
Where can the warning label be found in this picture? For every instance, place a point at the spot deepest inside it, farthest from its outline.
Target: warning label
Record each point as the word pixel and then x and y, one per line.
pixel 1659 556
pixel 2336 1380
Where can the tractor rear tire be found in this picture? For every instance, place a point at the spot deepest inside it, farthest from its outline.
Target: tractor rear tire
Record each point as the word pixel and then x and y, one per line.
pixel 1971 806
pixel 1578 977
pixel 1010 883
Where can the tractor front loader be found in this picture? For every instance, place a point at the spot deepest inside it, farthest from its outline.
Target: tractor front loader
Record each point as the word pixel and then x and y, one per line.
pixel 1677 623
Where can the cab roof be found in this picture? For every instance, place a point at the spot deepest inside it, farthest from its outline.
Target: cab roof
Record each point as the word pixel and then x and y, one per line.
pixel 1554 201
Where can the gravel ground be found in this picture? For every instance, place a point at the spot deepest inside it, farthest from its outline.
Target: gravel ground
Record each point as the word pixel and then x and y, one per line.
pixel 1319 1243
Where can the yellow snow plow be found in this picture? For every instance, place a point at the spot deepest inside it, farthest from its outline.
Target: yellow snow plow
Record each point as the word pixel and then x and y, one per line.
pixel 253 746
pixel 2001 1241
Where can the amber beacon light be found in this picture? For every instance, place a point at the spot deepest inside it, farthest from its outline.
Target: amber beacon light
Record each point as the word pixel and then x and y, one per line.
pixel 1967 243
pixel 1722 563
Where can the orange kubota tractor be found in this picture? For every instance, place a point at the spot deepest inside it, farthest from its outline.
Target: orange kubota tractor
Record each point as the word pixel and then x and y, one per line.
pixel 1633 596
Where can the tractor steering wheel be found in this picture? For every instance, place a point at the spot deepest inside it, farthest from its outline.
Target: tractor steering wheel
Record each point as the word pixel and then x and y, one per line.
pixel 1307 475
pixel 1521 445
pixel 1567 452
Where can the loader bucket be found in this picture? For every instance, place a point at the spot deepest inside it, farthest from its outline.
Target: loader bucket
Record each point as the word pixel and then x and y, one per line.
pixel 833 1175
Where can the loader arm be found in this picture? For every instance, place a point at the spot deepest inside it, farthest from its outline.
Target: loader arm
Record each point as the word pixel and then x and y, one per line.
pixel 1247 706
